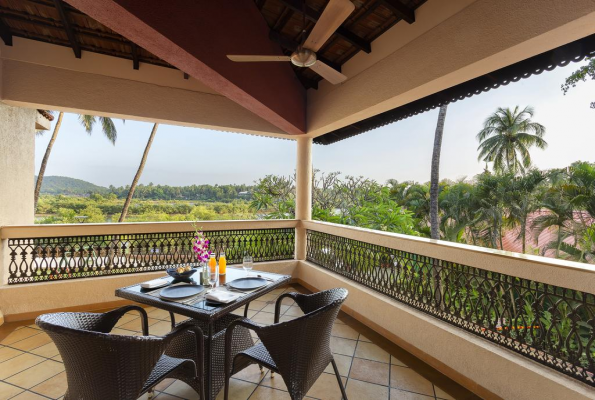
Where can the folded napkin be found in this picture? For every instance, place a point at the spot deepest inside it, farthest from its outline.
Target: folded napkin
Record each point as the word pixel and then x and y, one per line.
pixel 223 296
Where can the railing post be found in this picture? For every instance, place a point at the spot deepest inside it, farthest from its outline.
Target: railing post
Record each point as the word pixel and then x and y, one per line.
pixel 303 197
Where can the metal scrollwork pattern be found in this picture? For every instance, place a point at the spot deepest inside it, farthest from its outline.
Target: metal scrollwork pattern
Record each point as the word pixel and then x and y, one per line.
pixel 549 324
pixel 58 258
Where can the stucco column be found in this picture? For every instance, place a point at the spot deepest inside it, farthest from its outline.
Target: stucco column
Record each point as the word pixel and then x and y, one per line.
pixel 17 171
pixel 303 195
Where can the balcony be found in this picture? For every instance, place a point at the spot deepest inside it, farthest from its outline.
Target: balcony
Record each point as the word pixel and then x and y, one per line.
pixel 424 318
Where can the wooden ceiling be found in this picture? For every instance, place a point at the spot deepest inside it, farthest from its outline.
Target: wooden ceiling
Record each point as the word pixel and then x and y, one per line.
pixel 53 21
pixel 370 19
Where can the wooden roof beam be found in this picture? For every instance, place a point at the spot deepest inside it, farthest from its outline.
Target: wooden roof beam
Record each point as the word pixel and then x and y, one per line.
pixel 53 23
pixel 283 19
pixel 291 45
pixel 69 31
pixel 313 15
pixel 371 7
pixel 400 10
pixel 50 3
pixel 163 30
pixel 135 60
pixel 5 33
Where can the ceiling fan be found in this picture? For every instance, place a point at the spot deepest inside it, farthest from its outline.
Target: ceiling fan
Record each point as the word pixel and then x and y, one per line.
pixel 335 13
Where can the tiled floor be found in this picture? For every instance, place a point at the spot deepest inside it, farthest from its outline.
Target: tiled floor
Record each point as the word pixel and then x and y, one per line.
pixel 371 366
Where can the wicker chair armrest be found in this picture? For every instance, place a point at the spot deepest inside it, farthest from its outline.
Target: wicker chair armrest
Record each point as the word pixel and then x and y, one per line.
pixel 246 323
pixel 200 340
pixel 112 317
pixel 292 295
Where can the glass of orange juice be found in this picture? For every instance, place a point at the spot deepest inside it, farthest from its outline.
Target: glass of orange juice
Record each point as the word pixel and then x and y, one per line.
pixel 222 263
pixel 212 261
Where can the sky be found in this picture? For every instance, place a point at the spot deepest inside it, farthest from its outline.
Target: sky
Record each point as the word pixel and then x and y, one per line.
pixel 402 151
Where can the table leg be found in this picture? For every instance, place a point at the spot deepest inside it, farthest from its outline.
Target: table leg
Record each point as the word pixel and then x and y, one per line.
pixel 246 310
pixel 209 388
pixel 172 319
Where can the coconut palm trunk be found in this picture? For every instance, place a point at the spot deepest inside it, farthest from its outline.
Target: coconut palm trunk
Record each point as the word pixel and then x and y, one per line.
pixel 46 157
pixel 138 174
pixel 435 176
pixel 434 186
pixel 524 232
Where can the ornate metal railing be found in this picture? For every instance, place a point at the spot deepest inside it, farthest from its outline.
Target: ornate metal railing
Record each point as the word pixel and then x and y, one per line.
pixel 552 325
pixel 58 258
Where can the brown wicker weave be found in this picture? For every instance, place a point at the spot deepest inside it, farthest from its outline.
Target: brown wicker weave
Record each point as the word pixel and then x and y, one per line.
pixel 104 366
pixel 299 350
pixel 181 347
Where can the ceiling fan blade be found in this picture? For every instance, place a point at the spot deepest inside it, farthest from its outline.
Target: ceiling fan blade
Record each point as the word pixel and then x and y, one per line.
pixel 335 13
pixel 249 58
pixel 328 73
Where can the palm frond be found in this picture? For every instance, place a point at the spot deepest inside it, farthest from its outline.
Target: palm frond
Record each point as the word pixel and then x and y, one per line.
pixel 109 129
pixel 506 137
pixel 87 121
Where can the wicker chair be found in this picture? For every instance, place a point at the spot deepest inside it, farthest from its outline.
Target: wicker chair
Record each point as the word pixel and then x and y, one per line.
pixel 299 350
pixel 102 366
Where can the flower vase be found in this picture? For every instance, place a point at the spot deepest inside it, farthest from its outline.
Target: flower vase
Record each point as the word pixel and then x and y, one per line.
pixel 204 274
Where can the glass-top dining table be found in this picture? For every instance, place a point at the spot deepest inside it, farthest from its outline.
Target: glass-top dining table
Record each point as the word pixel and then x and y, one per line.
pixel 212 318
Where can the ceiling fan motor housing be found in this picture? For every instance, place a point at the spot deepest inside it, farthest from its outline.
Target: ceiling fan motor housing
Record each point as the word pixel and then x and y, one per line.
pixel 303 57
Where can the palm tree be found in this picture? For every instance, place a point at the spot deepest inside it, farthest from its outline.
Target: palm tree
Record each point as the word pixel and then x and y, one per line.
pixel 139 172
pixel 398 190
pixel 435 174
pixel 559 215
pixel 456 203
pixel 490 194
pixel 108 128
pixel 580 188
pixel 583 250
pixel 417 200
pixel 522 200
pixel 506 138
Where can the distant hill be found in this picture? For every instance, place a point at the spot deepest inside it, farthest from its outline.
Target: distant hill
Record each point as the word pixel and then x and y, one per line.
pixel 69 186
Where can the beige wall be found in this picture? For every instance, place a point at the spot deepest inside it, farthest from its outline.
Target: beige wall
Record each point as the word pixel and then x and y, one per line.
pixel 51 230
pixel 17 164
pixel 43 75
pixel 17 170
pixel 450 42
